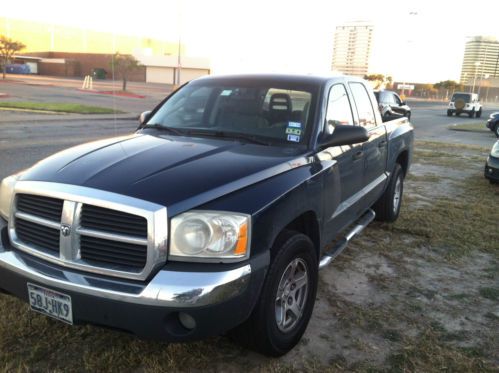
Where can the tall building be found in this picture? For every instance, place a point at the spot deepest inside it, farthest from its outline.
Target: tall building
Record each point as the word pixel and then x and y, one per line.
pixel 481 59
pixel 352 48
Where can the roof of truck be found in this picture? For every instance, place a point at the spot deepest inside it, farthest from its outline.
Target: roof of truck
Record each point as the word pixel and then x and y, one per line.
pixel 284 78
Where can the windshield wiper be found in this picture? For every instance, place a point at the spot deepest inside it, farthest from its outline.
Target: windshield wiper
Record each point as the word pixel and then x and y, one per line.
pixel 166 128
pixel 231 135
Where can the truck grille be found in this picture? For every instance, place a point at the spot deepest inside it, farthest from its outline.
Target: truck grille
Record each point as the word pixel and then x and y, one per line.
pixel 113 221
pixel 38 235
pixel 98 250
pixel 44 207
pixel 90 237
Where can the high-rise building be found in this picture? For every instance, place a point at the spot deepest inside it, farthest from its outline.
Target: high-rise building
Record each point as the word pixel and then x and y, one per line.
pixel 352 48
pixel 481 59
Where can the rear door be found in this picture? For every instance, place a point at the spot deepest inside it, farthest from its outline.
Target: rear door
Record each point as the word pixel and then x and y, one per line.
pixel 339 212
pixel 374 150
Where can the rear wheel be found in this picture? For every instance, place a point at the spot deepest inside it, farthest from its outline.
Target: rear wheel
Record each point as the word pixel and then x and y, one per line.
pixel 449 113
pixel 387 208
pixel 496 129
pixel 287 299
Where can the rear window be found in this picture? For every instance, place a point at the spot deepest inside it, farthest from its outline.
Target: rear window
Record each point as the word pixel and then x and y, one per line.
pixel 461 96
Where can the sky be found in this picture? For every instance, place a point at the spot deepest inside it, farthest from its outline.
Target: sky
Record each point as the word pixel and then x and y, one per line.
pixel 414 41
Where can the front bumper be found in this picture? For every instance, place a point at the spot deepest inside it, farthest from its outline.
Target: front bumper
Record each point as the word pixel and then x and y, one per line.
pixel 217 298
pixel 491 171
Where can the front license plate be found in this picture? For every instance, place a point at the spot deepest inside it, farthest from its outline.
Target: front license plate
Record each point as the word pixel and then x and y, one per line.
pixel 51 303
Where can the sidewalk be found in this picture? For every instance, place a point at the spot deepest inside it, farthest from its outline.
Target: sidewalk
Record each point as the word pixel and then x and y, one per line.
pixel 13 117
pixel 104 85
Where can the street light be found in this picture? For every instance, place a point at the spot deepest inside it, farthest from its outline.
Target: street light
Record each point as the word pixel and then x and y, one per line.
pixel 474 78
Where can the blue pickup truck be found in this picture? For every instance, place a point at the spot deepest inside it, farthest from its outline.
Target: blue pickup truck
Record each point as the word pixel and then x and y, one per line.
pixel 213 217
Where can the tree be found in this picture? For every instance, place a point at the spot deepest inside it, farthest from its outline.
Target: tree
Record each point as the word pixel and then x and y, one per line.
pixel 379 80
pixel 448 85
pixel 124 64
pixel 7 49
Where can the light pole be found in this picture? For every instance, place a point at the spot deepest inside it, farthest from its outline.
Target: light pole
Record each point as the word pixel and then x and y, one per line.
pixel 474 78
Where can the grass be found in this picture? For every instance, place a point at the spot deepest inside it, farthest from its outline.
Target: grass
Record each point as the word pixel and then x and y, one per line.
pixel 402 333
pixel 470 127
pixel 57 107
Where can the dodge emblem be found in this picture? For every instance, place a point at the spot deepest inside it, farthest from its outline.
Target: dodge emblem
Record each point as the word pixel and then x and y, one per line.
pixel 65 230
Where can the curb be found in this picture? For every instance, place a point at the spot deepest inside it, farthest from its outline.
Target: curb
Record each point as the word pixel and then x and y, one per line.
pixel 61 119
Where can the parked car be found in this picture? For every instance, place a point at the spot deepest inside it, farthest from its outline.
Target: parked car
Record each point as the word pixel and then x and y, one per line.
pixel 391 106
pixel 214 216
pixel 492 164
pixel 493 123
pixel 465 102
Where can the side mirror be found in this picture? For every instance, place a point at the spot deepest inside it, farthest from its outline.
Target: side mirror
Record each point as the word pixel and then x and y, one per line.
pixel 344 135
pixel 144 117
pixel 402 103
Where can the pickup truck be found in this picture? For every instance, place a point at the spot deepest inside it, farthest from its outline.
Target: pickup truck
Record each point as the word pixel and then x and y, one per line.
pixel 215 216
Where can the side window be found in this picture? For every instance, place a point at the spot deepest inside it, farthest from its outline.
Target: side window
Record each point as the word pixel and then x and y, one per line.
pixel 339 110
pixel 364 106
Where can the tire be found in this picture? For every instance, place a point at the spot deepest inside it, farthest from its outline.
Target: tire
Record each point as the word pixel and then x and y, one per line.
pixel 496 130
pixel 263 331
pixel 387 208
pixel 471 113
pixel 449 113
pixel 458 113
pixel 479 113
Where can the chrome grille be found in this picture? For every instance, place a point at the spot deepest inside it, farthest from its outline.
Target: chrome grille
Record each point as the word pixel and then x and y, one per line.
pixel 90 230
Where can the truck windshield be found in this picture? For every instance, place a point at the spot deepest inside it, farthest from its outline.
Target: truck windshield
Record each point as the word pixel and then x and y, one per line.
pixel 462 96
pixel 273 113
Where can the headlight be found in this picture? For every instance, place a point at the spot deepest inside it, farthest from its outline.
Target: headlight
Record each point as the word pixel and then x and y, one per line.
pixel 495 150
pixel 6 194
pixel 213 236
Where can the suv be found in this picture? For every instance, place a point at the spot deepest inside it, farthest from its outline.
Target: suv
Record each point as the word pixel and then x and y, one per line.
pixel 465 102
pixel 391 106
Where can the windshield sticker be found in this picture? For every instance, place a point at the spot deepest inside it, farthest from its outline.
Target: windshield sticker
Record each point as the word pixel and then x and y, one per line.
pixel 293 131
pixel 294 138
pixel 226 92
pixel 294 124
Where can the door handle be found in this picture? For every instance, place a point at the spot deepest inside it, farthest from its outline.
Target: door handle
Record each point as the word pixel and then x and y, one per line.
pixel 358 155
pixel 382 144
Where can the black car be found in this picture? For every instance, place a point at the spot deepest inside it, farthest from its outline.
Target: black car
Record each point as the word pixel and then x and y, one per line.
pixel 391 105
pixel 493 123
pixel 492 165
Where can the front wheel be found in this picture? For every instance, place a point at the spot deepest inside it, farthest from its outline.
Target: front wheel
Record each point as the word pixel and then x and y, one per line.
pixel 449 113
pixel 471 113
pixel 288 295
pixel 479 113
pixel 387 208
pixel 496 129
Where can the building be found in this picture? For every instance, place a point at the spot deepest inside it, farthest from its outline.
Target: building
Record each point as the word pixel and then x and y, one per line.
pixel 481 60
pixel 57 50
pixel 352 48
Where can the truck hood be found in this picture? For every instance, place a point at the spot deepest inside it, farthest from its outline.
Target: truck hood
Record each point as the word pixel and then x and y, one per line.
pixel 167 170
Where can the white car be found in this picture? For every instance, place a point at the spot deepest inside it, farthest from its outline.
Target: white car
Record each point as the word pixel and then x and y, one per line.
pixel 465 102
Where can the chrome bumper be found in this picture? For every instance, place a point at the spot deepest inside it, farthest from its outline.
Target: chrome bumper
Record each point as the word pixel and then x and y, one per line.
pixel 167 288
